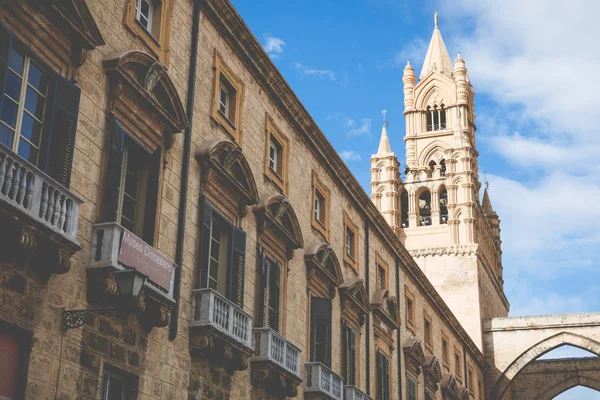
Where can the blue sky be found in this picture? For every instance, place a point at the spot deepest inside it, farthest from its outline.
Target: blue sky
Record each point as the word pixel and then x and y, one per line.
pixel 535 77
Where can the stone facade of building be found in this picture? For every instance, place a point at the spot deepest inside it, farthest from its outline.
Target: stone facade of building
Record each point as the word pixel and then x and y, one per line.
pixel 175 225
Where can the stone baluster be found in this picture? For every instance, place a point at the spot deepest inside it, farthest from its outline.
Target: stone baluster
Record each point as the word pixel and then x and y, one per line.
pixel 12 194
pixel 8 177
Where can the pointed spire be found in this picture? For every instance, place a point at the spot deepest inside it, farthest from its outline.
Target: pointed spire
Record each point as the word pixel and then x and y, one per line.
pixel 486 204
pixel 384 143
pixel 437 57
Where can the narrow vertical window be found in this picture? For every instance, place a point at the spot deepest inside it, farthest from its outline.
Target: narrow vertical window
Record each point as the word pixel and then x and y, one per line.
pixel 319 207
pixel 132 190
pixel 224 100
pixel 349 355
pixel 425 208
pixel 442 167
pixel 428 333
pixel 411 389
pixel 381 277
pixel 273 156
pixel 320 331
pixel 144 10
pixel 404 208
pixel 383 376
pixel 349 243
pixel 429 119
pixel 436 119
pixel 443 118
pixel 443 206
pixel 457 366
pixel 445 353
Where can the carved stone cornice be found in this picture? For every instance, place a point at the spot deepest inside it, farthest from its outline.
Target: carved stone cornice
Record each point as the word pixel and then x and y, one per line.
pixel 76 18
pixel 234 31
pixel 414 355
pixel 464 250
pixel 432 372
pixel 278 212
pixel 322 263
pixel 354 295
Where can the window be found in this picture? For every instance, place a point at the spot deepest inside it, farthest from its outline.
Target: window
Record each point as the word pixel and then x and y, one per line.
pixel 15 346
pixel 228 97
pixel 132 184
pixel 457 366
pixel 320 330
pixel 470 382
pixel 443 168
pixel 117 385
pixel 350 243
pixel 38 110
pixel 222 254
pixel 411 388
pixel 410 310
pixel 383 376
pixel 320 218
pixel 428 331
pixel 150 21
pixel 276 156
pixel 480 393
pixel 269 292
pixel 443 206
pixel 445 352
pixel 436 118
pixel 349 355
pixel 381 277
pixel 425 208
pixel 404 208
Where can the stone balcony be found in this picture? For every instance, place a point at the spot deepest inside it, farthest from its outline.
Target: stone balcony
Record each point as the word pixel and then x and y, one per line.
pixel 112 250
pixel 321 382
pixel 276 363
pixel 353 393
pixel 38 217
pixel 221 329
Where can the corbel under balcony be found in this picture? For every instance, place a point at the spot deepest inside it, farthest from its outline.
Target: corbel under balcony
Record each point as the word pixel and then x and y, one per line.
pixel 221 330
pixel 321 382
pixel 114 249
pixel 38 217
pixel 275 363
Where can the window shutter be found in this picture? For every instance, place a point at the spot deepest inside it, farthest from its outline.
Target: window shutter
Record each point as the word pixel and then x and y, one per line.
pixel 346 353
pixel 386 377
pixel 263 307
pixel 113 173
pixel 379 376
pixel 62 123
pixel 352 377
pixel 154 177
pixel 320 310
pixel 5 45
pixel 237 266
pixel 275 324
pixel 205 225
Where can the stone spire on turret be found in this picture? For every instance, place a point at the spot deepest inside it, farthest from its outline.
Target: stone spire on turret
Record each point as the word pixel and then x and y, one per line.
pixel 437 58
pixel 486 204
pixel 384 142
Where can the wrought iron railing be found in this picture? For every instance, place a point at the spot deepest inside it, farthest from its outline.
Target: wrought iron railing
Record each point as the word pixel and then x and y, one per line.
pixel 351 392
pixel 271 346
pixel 29 190
pixel 321 379
pixel 210 308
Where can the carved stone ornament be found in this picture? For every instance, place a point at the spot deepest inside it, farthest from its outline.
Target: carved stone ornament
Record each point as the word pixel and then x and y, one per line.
pixel 414 355
pixel 276 211
pixel 154 74
pixel 322 263
pixel 354 295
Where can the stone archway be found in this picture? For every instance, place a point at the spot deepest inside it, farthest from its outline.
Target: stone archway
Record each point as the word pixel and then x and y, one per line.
pixel 569 384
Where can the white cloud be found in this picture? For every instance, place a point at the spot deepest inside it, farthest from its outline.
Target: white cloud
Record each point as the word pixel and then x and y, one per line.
pixel 320 73
pixel 349 155
pixel 363 129
pixel 273 46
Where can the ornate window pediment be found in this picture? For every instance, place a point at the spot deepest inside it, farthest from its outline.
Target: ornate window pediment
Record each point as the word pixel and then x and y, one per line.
pixel 354 296
pixel 278 212
pixel 226 160
pixel 432 372
pixel 385 307
pixel 414 355
pixel 141 88
pixel 78 20
pixel 323 267
pixel 450 389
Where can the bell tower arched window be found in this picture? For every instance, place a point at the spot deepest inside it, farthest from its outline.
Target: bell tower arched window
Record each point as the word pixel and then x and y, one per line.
pixel 429 119
pixel 425 208
pixel 442 167
pixel 404 208
pixel 442 112
pixel 443 205
pixel 436 118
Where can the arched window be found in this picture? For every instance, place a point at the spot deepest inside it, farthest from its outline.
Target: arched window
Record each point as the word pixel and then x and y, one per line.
pixel 443 206
pixel 432 165
pixel 442 118
pixel 425 208
pixel 436 119
pixel 442 167
pixel 429 119
pixel 404 208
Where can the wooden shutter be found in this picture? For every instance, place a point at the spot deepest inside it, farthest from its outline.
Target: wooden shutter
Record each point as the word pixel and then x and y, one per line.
pixel 205 225
pixel 237 266
pixel 113 172
pixel 62 127
pixel 154 176
pixel 352 346
pixel 320 310
pixel 379 376
pixel 276 293
pixel 5 45
pixel 263 268
pixel 386 377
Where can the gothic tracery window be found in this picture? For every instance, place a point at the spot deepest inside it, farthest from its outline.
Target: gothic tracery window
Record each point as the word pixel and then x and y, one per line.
pixel 425 208
pixel 436 118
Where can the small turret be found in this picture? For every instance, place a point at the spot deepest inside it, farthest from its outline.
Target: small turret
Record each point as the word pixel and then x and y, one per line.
pixel 409 80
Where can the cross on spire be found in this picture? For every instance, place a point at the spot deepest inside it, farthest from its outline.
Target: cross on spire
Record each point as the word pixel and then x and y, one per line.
pixel 385 121
pixel 485 181
pixel 435 19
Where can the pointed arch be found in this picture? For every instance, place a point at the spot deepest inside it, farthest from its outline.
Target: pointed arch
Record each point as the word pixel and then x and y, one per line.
pixel 424 206
pixel 540 348
pixel 277 210
pixel 567 384
pixel 434 151
pixel 433 84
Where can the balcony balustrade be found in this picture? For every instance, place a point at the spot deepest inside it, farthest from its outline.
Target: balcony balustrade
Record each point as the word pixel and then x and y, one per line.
pixel 276 362
pixel 320 380
pixel 44 213
pixel 220 325
pixel 351 392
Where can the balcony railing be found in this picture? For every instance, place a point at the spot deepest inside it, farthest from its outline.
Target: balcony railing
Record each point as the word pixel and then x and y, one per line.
pixel 271 346
pixel 25 188
pixel 320 379
pixel 211 309
pixel 351 392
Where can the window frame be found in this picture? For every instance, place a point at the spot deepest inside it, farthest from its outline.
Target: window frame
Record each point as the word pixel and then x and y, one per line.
pixel 470 383
pixel 428 320
pixel 409 379
pixel 458 364
pixel 138 14
pixel 130 382
pixel 379 263
pixel 274 134
pixel 353 364
pixel 327 354
pixel 382 382
pixel 223 75
pixel 263 299
pixel 446 353
pixel 410 316
pixel 320 190
pixel 157 39
pixel 351 260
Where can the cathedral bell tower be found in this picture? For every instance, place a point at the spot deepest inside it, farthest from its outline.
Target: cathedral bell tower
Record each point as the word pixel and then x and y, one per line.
pixel 453 237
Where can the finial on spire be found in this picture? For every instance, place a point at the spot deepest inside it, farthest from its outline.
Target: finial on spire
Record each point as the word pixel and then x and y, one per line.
pixel 385 121
pixel 435 19
pixel 486 182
